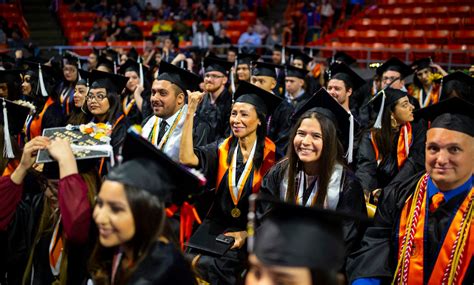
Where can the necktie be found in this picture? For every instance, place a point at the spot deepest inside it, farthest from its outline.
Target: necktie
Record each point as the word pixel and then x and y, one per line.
pixel 162 131
pixel 436 201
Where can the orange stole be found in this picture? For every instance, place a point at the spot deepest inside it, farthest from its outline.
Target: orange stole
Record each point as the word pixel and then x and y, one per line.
pixel 434 94
pixel 268 161
pixel 401 151
pixel 415 269
pixel 11 166
pixel 36 124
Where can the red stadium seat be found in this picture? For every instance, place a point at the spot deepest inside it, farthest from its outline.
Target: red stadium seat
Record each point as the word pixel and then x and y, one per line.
pixel 414 36
pixel 465 37
pixel 367 36
pixel 460 11
pixel 439 37
pixel 468 23
pixel 347 36
pixel 426 23
pixel 390 36
pixel 375 54
pixel 402 49
pixel 455 54
pixel 440 11
pixel 425 50
pixel 449 23
pixel 402 24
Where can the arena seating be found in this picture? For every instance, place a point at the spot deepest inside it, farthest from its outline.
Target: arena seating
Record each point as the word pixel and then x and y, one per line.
pixel 441 29
pixel 13 14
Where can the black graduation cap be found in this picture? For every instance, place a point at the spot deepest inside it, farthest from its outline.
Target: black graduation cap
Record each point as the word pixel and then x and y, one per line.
pixel 421 63
pixel 354 80
pixel 323 103
pixel 111 82
pixel 298 54
pixel 261 68
pixel 394 64
pixel 84 77
pixel 216 64
pixel 278 47
pixel 295 236
pixel 11 75
pixel 184 79
pixel 7 61
pixel 460 83
pixel 341 56
pixel 146 167
pixel 246 58
pixel 132 65
pixel 263 101
pixel 233 49
pixel 104 61
pixel 69 59
pixel 453 114
pixel 292 71
pixel 49 74
pixel 16 115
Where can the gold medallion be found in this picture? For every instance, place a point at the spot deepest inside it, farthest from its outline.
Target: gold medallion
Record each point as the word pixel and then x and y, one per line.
pixel 235 213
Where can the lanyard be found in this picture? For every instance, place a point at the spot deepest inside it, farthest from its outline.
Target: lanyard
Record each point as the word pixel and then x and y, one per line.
pixel 236 190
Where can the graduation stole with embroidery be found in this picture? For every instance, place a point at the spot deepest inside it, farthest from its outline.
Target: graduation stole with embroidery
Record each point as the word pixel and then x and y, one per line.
pixel 455 252
pixel 405 140
pixel 268 161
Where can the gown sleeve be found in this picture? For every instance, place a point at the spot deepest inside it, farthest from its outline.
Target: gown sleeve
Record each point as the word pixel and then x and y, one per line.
pixel 271 187
pixel 10 197
pixel 75 208
pixel 53 117
pixel 208 161
pixel 366 164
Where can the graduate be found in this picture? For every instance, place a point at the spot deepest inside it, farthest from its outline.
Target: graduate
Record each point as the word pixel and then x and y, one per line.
pixel 301 60
pixel 130 248
pixel 423 230
pixel 281 254
pixel 425 87
pixel 10 81
pixel 65 89
pixel 458 84
pixel 295 95
pixel 264 75
pixel 393 149
pixel 78 114
pixel 168 100
pixel 216 105
pixel 237 164
pixel 243 66
pixel 46 216
pixel 313 173
pixel 343 83
pixel 103 105
pixel 38 88
pixel 136 94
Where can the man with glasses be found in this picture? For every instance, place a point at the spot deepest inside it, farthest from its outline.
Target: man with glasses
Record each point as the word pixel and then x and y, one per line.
pixel 214 112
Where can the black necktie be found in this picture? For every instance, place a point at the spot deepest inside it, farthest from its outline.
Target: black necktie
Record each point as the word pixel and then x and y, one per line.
pixel 162 131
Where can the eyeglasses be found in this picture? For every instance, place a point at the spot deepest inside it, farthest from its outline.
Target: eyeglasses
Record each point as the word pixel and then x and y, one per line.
pixel 98 97
pixel 392 78
pixel 212 76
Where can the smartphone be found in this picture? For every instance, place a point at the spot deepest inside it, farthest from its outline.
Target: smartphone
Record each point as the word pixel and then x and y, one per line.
pixel 225 239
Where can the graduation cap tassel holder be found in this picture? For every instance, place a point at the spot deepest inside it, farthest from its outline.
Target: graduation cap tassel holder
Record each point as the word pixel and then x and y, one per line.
pixel 378 122
pixel 41 85
pixel 8 150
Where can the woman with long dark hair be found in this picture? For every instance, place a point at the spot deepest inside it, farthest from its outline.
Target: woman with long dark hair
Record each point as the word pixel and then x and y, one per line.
pixel 70 69
pixel 135 243
pixel 313 173
pixel 46 216
pixel 393 150
pixel 237 164
pixel 103 105
pixel 425 87
pixel 78 114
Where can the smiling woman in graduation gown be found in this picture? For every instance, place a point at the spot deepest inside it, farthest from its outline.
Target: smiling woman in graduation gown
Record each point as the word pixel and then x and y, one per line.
pixel 236 165
pixel 315 163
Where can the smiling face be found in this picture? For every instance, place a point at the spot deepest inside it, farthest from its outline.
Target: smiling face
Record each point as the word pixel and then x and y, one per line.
pixel 97 102
pixel 449 157
pixel 243 72
pixel 308 141
pixel 403 112
pixel 113 215
pixel 214 81
pixel 164 100
pixel 337 89
pixel 80 93
pixel 243 119
pixel 26 85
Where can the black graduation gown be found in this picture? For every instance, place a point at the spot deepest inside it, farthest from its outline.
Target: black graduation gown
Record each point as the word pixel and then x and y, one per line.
pixel 280 124
pixel 135 116
pixel 373 176
pixel 351 199
pixel 164 264
pixel 225 269
pixel 377 257
pixel 53 117
pixel 212 120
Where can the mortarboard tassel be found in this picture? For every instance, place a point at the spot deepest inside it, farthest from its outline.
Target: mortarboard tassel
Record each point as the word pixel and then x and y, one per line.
pixel 378 122
pixel 41 82
pixel 7 150
pixel 232 83
pixel 291 58
pixel 283 57
pixel 350 148
pixel 140 67
pixel 310 52
pixel 115 67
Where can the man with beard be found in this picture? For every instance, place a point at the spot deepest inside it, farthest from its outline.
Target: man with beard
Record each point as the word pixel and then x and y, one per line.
pixel 217 102
pixel 168 101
